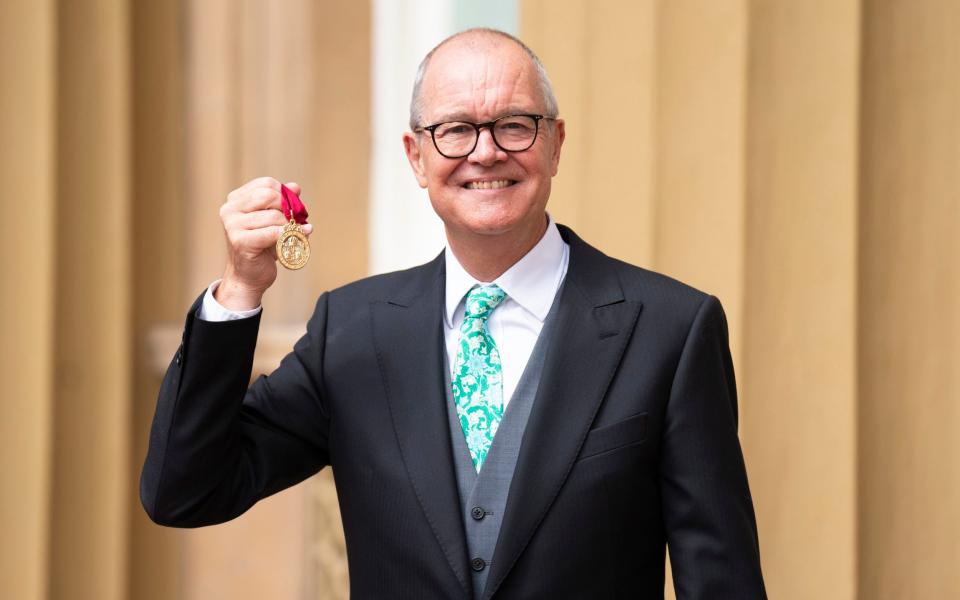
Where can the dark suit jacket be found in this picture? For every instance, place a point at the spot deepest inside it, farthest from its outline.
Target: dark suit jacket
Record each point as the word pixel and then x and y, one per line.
pixel 631 443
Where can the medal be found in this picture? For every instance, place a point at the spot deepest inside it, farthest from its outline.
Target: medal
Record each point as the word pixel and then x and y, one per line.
pixel 293 249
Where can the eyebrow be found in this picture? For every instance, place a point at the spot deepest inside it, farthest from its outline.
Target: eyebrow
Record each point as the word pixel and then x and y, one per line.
pixel 462 116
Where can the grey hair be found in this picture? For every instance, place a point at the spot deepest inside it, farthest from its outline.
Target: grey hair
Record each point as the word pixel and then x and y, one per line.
pixel 416 102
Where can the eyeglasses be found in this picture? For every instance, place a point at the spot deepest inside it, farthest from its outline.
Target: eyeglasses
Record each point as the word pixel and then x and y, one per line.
pixel 511 133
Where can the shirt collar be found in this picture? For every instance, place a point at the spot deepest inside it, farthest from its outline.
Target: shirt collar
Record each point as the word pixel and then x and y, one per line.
pixel 531 282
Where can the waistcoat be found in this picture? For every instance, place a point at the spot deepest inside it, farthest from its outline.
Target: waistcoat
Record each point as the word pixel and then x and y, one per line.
pixel 483 496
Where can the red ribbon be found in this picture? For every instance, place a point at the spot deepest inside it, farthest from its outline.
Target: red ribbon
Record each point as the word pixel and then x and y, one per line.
pixel 290 204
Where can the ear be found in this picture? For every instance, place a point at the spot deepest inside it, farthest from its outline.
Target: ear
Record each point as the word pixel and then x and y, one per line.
pixel 559 134
pixel 411 145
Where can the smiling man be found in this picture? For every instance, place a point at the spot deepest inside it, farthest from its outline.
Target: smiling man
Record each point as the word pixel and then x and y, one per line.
pixel 522 417
pixel 489 184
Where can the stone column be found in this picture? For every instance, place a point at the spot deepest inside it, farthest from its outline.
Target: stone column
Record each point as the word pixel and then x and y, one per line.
pixel 798 373
pixel 27 276
pixel 93 365
pixel 909 301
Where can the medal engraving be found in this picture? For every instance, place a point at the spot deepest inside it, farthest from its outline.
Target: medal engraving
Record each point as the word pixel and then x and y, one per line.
pixel 293 249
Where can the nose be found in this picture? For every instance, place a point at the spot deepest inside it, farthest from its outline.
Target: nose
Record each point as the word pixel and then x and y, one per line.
pixel 487 152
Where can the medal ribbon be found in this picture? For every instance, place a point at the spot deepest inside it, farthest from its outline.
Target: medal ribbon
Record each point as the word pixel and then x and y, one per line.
pixel 291 206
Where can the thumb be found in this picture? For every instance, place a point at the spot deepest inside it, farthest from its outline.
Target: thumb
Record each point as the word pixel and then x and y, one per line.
pixel 294 187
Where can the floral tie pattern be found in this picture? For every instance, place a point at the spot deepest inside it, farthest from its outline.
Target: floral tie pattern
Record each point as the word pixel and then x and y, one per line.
pixel 477 379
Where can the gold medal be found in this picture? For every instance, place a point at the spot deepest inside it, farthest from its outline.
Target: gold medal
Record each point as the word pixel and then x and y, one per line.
pixel 293 249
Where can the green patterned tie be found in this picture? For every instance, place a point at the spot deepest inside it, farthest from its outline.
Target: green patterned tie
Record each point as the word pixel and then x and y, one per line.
pixel 477 378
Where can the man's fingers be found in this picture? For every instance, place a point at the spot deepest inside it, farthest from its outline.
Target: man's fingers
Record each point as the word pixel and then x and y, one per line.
pixel 256 199
pixel 260 239
pixel 260 182
pixel 259 218
pixel 260 188
pixel 258 194
pixel 294 187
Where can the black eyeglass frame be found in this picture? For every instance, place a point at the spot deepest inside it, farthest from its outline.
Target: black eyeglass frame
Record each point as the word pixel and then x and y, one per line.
pixel 490 125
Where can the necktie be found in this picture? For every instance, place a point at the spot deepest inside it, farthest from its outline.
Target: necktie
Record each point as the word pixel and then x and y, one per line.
pixel 477 377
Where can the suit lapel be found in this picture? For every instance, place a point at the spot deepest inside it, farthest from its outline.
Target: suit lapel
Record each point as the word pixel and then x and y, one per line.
pixel 408 338
pixel 592 330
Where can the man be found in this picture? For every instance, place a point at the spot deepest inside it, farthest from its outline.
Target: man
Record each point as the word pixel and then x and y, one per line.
pixel 522 417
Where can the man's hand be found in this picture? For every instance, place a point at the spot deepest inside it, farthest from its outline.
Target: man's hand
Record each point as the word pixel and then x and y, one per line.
pixel 252 222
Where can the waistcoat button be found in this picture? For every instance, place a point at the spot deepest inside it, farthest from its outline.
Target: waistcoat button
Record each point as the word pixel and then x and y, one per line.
pixel 477 512
pixel 477 564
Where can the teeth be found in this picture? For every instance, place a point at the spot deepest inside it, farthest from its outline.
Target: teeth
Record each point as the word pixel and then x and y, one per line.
pixel 489 185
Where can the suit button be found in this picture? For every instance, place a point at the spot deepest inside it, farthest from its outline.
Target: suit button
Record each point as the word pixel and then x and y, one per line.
pixel 477 513
pixel 477 564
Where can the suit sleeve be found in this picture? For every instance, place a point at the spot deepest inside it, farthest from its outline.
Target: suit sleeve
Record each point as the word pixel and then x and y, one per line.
pixel 708 512
pixel 217 447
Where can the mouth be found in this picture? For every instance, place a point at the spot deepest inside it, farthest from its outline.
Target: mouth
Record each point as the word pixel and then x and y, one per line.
pixel 496 184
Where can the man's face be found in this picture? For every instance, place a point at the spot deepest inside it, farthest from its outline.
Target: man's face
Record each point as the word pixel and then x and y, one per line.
pixel 490 191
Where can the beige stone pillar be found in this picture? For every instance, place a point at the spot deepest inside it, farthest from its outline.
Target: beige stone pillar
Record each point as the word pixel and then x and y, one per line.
pixel 93 359
pixel 159 221
pixel 27 168
pixel 799 325
pixel 909 302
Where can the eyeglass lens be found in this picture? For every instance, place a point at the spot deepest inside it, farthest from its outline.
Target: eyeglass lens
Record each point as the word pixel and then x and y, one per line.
pixel 513 134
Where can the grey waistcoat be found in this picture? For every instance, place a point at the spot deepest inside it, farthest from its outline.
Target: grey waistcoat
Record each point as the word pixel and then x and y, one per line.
pixel 483 496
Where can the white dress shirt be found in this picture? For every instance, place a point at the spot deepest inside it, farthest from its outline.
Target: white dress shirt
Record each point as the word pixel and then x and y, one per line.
pixel 530 284
pixel 211 310
pixel 515 324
